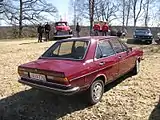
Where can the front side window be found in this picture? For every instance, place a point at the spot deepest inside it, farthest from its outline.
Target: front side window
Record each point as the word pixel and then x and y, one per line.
pixel 124 46
pixel 104 49
pixel 67 50
pixel 116 45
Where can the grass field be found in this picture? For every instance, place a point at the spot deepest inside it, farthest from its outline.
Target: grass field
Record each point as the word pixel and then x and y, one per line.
pixel 132 98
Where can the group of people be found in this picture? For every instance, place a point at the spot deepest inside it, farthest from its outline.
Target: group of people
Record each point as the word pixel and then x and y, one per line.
pixel 43 30
pixel 107 30
pixel 101 31
pixel 98 30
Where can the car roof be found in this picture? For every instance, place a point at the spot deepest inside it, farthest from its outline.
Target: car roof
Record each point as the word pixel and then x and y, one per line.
pixel 97 38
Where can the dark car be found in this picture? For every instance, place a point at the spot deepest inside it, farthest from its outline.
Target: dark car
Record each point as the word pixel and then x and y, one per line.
pixel 83 64
pixel 143 35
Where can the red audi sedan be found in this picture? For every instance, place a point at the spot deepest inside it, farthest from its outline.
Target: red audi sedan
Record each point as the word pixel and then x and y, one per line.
pixel 84 64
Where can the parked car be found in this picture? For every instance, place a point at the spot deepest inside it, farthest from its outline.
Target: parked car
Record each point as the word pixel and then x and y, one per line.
pixel 84 64
pixel 143 35
pixel 62 30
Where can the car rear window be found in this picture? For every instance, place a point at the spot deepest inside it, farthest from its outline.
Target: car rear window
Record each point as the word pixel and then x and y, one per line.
pixel 67 50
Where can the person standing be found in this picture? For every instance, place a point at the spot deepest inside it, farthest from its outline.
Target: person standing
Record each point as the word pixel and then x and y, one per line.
pixel 124 33
pixel 105 29
pixel 119 33
pixel 47 31
pixel 78 29
pixel 40 32
pixel 96 29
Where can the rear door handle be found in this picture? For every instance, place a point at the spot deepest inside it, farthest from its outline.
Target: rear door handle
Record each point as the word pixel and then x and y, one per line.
pixel 101 63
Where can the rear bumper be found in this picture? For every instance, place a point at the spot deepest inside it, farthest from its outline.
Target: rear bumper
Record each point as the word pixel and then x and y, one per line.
pixel 63 91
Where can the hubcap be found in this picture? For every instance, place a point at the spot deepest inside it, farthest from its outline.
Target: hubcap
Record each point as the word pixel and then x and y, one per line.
pixel 97 91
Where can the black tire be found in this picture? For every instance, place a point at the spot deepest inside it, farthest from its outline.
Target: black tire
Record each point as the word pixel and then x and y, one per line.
pixel 96 85
pixel 136 68
pixel 149 42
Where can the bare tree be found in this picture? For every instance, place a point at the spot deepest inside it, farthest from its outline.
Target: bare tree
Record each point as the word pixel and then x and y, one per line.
pixel 147 10
pixel 124 6
pixel 124 11
pixel 77 12
pixel 128 9
pixel 137 9
pixel 27 11
pixel 105 10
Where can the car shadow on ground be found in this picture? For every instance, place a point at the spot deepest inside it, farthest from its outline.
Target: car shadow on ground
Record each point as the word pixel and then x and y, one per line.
pixel 155 114
pixel 35 104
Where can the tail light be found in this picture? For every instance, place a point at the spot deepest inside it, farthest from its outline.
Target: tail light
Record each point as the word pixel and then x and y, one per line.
pixel 63 80
pixel 22 72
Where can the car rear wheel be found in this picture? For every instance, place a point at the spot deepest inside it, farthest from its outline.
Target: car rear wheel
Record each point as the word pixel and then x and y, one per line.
pixel 95 92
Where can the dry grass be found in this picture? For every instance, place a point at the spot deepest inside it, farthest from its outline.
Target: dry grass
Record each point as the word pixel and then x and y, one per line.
pixel 134 98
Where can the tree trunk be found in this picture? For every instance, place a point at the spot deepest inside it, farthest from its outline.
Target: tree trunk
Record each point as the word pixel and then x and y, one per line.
pixel 134 13
pixel 123 14
pixel 75 15
pixel 91 14
pixel 20 18
pixel 128 12
pixel 146 14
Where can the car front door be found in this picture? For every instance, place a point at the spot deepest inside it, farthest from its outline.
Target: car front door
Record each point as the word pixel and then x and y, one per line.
pixel 105 60
pixel 130 58
pixel 121 54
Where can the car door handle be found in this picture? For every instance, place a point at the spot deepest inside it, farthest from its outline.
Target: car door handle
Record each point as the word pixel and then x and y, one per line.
pixel 119 57
pixel 101 63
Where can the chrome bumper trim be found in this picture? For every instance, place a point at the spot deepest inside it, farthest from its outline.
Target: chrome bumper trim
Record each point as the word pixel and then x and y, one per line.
pixel 51 89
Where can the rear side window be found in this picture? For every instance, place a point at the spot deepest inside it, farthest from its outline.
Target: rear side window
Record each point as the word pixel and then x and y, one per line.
pixel 116 45
pixel 104 49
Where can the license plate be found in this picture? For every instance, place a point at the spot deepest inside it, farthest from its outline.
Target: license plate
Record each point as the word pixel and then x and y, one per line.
pixel 38 76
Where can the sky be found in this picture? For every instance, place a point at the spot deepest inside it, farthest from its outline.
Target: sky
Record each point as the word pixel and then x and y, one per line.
pixel 64 10
pixel 62 6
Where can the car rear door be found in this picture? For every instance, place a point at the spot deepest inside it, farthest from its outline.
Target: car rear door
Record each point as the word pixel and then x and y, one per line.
pixel 105 60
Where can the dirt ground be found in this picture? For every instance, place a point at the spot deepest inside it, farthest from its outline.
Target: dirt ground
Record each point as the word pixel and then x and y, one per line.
pixel 129 98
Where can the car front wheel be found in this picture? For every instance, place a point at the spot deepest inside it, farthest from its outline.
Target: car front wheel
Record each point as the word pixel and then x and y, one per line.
pixel 95 92
pixel 149 42
pixel 136 68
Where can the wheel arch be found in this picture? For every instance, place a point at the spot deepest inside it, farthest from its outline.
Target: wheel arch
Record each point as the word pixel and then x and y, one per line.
pixel 100 77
